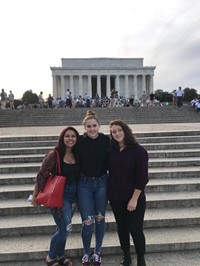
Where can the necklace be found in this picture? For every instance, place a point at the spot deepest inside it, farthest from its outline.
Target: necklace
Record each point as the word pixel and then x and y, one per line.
pixel 121 147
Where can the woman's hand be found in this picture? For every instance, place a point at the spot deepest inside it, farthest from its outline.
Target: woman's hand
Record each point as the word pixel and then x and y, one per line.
pixel 132 204
pixel 35 192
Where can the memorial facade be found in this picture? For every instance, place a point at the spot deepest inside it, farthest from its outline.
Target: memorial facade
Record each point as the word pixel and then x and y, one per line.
pixel 127 76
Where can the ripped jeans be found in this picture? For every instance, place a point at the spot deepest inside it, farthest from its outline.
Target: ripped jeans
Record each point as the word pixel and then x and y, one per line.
pixel 63 221
pixel 92 201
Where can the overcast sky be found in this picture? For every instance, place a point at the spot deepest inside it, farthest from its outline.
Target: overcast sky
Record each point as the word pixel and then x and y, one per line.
pixel 36 34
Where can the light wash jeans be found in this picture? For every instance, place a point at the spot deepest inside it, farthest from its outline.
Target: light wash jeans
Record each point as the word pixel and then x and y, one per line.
pixel 63 221
pixel 92 201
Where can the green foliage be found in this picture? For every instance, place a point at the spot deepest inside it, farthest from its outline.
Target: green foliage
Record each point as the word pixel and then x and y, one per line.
pixel 29 97
pixel 163 96
pixel 17 103
pixel 190 94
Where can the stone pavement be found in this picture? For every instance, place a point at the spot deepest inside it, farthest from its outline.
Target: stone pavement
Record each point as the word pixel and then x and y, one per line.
pixel 137 128
pixel 182 258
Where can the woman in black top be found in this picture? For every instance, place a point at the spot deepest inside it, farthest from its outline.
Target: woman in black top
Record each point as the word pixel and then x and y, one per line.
pixel 67 149
pixel 92 187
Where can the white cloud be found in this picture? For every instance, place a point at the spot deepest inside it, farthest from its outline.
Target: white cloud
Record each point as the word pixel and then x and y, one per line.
pixel 36 34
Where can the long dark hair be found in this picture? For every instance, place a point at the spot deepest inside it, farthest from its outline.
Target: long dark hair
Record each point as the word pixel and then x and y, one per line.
pixel 61 148
pixel 129 138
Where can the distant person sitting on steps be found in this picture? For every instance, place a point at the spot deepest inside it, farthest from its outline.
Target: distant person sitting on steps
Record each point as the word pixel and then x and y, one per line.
pixel 152 99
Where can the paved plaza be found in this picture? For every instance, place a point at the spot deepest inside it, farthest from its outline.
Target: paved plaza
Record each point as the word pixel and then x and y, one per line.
pixel 137 128
pixel 182 258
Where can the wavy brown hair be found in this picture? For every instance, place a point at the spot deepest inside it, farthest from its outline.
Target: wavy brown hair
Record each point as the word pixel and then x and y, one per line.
pixel 129 138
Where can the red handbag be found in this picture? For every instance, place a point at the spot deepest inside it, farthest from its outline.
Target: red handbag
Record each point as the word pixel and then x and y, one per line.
pixel 52 193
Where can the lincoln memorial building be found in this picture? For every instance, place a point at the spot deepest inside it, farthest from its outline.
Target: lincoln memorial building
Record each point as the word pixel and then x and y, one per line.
pixel 127 76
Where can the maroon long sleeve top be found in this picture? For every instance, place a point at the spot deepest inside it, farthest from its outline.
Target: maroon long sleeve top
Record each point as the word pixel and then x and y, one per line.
pixel 128 170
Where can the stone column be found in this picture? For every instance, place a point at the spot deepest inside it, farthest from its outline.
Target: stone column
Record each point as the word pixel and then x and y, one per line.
pixel 80 86
pixel 117 85
pixel 143 83
pixel 135 87
pixel 99 85
pixel 71 84
pixel 126 87
pixel 55 92
pixel 151 84
pixel 90 86
pixel 63 87
pixel 108 86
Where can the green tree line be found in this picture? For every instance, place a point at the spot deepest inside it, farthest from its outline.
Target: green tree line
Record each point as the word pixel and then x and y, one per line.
pixel 164 96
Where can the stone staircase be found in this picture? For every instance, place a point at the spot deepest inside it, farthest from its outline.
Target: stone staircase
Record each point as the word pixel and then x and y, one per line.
pixel 65 116
pixel 172 220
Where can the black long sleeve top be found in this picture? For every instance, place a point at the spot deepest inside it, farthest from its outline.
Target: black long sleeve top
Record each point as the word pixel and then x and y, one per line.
pixel 94 155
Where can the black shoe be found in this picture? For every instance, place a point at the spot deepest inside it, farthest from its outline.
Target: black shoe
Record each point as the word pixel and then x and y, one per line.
pixel 126 261
pixel 141 261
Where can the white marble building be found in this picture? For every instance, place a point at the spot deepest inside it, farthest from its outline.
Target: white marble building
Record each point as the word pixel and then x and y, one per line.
pixel 128 76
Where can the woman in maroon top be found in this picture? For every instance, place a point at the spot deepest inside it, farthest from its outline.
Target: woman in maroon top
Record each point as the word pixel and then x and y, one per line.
pixel 128 176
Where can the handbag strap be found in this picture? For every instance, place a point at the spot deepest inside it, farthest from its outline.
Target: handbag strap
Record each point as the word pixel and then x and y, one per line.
pixel 58 162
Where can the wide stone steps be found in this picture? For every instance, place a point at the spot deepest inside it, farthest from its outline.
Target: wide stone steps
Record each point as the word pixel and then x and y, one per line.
pixel 158 185
pixel 43 223
pixel 148 146
pixel 144 141
pixel 141 115
pixel 178 153
pixel 153 163
pixel 174 172
pixel 19 144
pixel 41 141
pixel 157 240
pixel 183 258
pixel 16 206
pixel 172 219
pixel 25 150
pixel 36 156
pixel 164 171
pixel 160 135
pixel 154 173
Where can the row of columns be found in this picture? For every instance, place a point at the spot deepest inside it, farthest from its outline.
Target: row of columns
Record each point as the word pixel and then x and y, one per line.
pixel 108 87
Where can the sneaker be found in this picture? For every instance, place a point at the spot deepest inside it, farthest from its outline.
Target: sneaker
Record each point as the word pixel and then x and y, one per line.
pixel 96 260
pixel 86 260
pixel 126 261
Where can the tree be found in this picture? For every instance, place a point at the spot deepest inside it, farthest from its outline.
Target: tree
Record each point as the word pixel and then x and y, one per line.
pixel 29 97
pixel 163 96
pixel 190 94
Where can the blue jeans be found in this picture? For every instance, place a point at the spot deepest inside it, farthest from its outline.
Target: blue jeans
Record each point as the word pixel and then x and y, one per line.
pixel 63 220
pixel 92 201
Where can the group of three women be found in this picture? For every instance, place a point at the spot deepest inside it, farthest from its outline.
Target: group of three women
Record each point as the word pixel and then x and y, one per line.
pixel 86 161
